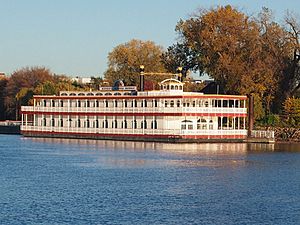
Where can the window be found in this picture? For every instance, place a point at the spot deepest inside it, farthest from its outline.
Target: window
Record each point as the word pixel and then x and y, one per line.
pixel 52 122
pixel 45 103
pixel 61 123
pixel 105 124
pixel 154 124
pixel 44 122
pixel 70 122
pixel 115 124
pixel 186 124
pixel 116 103
pixel 125 103
pixel 87 123
pixel 61 103
pixel 124 124
pixel 106 103
pixel 155 103
pixel 78 123
pixel 53 103
pixel 97 103
pixel 78 104
pixel 144 124
pixel 88 104
pixel 145 103
pixel 166 103
pixel 172 103
pixel 134 124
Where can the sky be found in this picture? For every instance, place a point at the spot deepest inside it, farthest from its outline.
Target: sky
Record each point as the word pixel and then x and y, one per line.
pixel 74 37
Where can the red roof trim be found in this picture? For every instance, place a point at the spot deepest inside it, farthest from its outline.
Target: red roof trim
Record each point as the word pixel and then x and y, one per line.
pixel 219 97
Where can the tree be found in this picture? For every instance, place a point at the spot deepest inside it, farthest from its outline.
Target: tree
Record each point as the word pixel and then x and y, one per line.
pixel 230 47
pixel 290 78
pixel 181 55
pixel 125 59
pixel 3 83
pixel 23 78
pixel 291 108
pixel 96 82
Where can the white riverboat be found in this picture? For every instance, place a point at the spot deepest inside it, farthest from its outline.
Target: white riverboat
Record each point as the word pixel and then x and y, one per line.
pixel 123 113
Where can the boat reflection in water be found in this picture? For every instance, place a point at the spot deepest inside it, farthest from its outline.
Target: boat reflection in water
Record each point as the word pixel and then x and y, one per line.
pixel 151 154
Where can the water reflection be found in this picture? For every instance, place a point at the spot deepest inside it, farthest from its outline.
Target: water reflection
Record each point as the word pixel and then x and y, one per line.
pixel 112 154
pixel 178 148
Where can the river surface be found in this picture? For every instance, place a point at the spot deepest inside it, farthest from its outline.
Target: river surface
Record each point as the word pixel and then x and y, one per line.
pixel 62 181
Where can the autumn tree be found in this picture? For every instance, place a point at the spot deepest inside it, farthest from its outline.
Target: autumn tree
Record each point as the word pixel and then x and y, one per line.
pixel 3 83
pixel 291 109
pixel 23 78
pixel 230 47
pixel 125 59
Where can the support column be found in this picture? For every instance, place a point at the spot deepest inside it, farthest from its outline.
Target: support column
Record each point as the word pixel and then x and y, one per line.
pixel 250 114
pixel 26 119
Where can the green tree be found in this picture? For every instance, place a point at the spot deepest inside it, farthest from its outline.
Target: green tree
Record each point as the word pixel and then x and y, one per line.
pixel 96 82
pixel 125 59
pixel 181 55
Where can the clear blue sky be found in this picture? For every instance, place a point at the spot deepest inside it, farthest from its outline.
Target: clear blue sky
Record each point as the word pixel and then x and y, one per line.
pixel 74 37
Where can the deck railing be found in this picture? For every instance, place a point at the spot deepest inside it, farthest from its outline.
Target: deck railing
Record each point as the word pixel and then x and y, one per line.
pixel 262 134
pixel 136 110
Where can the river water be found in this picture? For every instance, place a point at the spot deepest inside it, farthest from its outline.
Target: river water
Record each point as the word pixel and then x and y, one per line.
pixel 62 181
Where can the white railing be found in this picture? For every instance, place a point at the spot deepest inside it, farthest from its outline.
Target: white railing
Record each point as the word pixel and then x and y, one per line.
pixel 262 134
pixel 132 131
pixel 136 110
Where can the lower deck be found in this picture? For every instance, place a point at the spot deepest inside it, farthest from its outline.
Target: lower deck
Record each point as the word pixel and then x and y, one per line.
pixel 146 137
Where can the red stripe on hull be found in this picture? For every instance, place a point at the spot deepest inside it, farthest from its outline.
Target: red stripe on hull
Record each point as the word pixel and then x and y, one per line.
pixel 145 136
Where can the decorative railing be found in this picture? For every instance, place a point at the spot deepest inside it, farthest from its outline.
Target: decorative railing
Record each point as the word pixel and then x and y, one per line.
pixel 136 109
pixel 262 134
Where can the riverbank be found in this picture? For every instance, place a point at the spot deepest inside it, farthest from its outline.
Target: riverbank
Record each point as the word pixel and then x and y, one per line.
pixel 287 134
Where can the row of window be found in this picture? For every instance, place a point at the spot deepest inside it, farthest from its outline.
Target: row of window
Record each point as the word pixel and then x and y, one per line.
pixel 145 103
pixel 98 94
pixel 105 124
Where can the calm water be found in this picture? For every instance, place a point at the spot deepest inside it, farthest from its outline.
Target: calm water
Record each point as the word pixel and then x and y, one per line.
pixel 53 181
